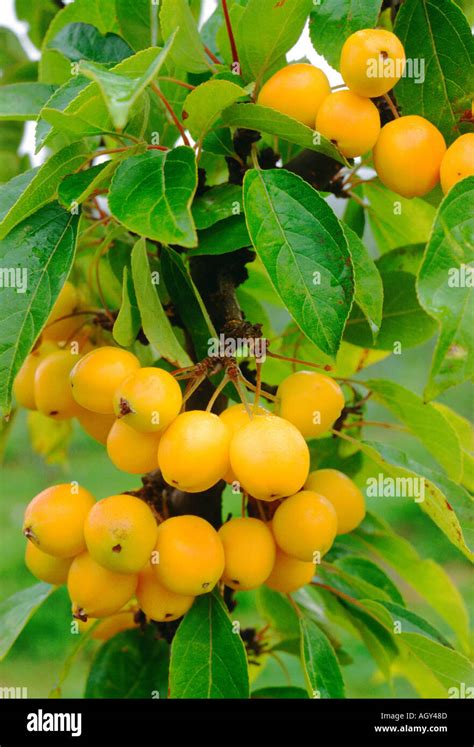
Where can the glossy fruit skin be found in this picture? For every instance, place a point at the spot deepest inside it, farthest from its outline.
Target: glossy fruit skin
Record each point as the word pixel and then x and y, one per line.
pixel 95 591
pixel 54 519
pixel 296 90
pixel 24 384
pixel 306 396
pixel 194 451
pixel 98 374
pixel 368 46
pixel 305 524
pixel 110 626
pixel 270 458
pixel 66 303
pixel 190 554
pixel 97 426
pixel 46 567
pixel 408 156
pixel 145 396
pixel 350 121
pixel 343 493
pixel 157 602
pixel 250 552
pixel 458 162
pixel 235 417
pixel 289 574
pixel 53 393
pixel 131 451
pixel 120 533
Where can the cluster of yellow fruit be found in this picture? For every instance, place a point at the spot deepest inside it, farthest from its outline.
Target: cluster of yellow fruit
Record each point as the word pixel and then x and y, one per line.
pixel 115 550
pixel 409 153
pixel 119 549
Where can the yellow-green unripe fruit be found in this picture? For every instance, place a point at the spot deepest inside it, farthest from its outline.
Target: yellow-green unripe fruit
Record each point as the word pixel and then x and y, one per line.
pixel 54 519
pixel 249 550
pixel 24 384
pixel 46 567
pixel 311 401
pixel 372 61
pixel 350 121
pixel 158 602
pixel 194 451
pixel 458 162
pixel 343 493
pixel 148 400
pixel 408 156
pixel 58 328
pixel 269 458
pixel 235 417
pixel 97 375
pixel 120 533
pixel 289 574
pixel 305 525
pixel 53 394
pixel 96 591
pixel 189 554
pixel 296 90
pixel 132 451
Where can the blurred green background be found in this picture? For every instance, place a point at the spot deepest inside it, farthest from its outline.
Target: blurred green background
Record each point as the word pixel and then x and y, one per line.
pixel 38 656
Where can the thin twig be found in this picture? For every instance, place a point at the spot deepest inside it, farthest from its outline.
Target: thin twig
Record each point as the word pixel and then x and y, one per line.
pixel 230 34
pixel 171 112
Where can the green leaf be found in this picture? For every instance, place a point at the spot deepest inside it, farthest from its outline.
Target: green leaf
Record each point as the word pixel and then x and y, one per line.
pixel 75 188
pixel 81 41
pixel 119 91
pixel 208 658
pixel 12 190
pixel 224 237
pixel 264 119
pixel 219 142
pixel 465 434
pixel 354 216
pixel 23 101
pixel 266 31
pixel 152 194
pixel 428 578
pixel 350 584
pixel 128 322
pixel 451 668
pixel 371 573
pixel 188 50
pixel 203 105
pixel 155 323
pixel 44 185
pixel 58 102
pixel 445 502
pixel 42 246
pixel 437 32
pixel 403 259
pixel 323 676
pixel 404 323
pixel 395 220
pixel 279 692
pixel 400 620
pixel 15 612
pixel 300 241
pixel 53 67
pixel 278 612
pixel 333 21
pixel 368 283
pixel 132 664
pixel 37 16
pixel 187 301
pixel 423 421
pixel 445 285
pixel 139 28
pixel 216 204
